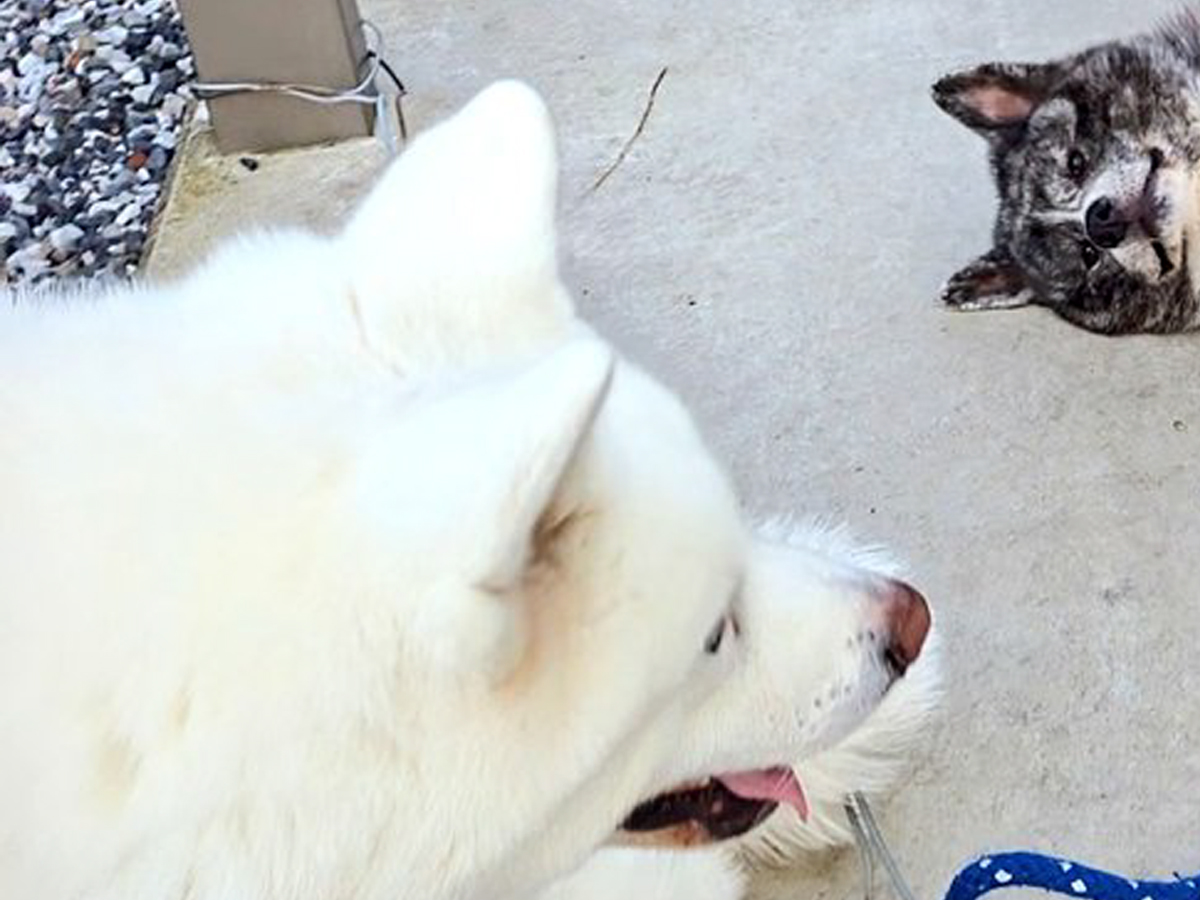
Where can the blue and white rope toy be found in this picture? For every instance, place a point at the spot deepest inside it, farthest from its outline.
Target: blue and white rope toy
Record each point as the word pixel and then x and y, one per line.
pixel 1017 869
pixel 1062 876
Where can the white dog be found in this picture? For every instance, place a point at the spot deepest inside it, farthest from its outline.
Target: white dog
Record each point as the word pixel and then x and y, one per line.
pixel 361 568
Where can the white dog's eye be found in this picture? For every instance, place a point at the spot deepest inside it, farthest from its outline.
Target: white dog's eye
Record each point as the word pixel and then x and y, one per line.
pixel 715 637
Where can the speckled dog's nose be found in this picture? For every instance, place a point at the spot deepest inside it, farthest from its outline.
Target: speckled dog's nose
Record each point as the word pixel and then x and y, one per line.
pixel 1105 225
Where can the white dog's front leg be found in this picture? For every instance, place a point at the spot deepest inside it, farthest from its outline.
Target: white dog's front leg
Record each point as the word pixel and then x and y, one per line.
pixel 625 874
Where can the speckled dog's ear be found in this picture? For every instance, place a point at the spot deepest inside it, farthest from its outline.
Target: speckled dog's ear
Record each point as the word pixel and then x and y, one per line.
pixel 993 281
pixel 995 98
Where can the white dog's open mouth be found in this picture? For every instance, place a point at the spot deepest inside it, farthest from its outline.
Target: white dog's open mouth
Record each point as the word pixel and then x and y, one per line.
pixel 721 807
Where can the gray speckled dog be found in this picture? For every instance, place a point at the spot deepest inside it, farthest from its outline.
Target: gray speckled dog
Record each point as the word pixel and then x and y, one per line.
pixel 1096 159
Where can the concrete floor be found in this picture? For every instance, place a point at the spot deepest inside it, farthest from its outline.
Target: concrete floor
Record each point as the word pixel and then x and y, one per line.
pixel 772 248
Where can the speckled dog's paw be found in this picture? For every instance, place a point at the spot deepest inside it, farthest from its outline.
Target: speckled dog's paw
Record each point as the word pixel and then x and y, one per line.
pixel 993 281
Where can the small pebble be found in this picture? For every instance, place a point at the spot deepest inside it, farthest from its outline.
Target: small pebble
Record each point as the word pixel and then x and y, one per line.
pixel 128 214
pixel 30 63
pixel 29 261
pixel 17 191
pixel 143 93
pixel 173 106
pixel 114 35
pixel 65 238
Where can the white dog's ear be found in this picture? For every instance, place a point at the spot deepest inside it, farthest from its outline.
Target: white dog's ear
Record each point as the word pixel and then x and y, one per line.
pixel 457 241
pixel 498 453
pixel 532 426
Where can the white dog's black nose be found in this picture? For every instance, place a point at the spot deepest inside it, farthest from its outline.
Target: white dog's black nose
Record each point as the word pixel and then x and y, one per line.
pixel 906 621
pixel 1105 225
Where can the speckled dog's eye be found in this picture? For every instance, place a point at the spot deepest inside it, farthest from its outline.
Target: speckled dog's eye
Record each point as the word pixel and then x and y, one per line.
pixel 1089 254
pixel 1076 164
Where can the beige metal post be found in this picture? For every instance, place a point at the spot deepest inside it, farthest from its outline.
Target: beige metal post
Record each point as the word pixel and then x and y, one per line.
pixel 318 42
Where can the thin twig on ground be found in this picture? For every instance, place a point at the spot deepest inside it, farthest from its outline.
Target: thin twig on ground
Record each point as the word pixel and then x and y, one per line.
pixel 612 167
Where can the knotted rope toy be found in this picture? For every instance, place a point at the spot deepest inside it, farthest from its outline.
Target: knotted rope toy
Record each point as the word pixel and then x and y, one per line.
pixel 1017 869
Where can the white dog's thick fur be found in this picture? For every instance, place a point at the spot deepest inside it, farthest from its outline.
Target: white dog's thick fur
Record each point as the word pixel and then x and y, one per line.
pixel 872 760
pixel 361 568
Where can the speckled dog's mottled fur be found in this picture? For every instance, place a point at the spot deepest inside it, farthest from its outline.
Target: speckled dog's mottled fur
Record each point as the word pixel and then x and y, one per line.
pixel 1118 123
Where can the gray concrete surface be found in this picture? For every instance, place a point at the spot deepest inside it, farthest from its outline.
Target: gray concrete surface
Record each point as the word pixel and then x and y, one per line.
pixel 772 247
pixel 211 196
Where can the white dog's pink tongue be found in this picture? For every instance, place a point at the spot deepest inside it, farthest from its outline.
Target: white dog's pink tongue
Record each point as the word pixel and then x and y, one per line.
pixel 779 784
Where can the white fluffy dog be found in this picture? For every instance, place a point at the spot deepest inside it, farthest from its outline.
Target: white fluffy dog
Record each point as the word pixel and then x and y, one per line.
pixel 361 568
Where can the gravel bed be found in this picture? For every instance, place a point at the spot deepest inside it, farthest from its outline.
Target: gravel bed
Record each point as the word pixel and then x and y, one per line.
pixel 92 98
